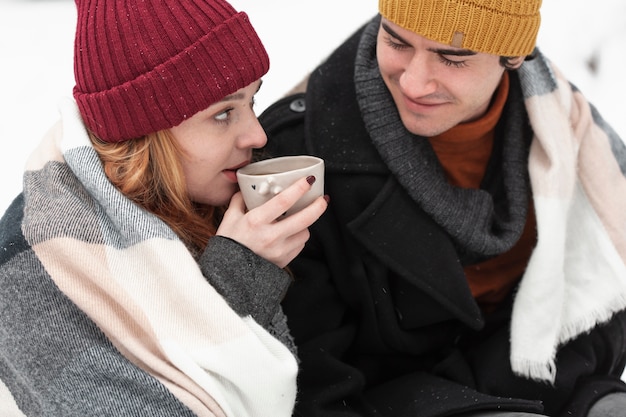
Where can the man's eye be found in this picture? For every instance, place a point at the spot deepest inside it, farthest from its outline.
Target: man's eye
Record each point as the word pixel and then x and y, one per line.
pixel 394 44
pixel 451 63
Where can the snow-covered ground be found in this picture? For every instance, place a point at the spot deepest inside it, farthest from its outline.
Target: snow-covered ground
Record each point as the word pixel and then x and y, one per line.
pixel 585 39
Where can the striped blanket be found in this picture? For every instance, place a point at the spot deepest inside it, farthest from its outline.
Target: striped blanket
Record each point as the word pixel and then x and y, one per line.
pixel 104 312
pixel 576 277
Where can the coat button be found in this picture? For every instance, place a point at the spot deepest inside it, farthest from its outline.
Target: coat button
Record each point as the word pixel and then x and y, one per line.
pixel 297 105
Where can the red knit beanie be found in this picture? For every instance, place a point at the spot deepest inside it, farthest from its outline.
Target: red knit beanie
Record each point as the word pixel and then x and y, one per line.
pixel 146 65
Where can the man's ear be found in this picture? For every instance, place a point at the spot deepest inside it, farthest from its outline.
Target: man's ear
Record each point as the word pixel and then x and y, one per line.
pixel 516 61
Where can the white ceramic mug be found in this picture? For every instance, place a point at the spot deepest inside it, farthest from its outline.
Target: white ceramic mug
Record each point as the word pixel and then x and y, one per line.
pixel 262 180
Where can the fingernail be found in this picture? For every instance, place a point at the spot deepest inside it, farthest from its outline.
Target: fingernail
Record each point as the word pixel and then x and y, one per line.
pixel 310 179
pixel 327 198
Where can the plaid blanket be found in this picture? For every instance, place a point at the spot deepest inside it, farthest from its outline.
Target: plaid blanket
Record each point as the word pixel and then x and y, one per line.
pixel 105 312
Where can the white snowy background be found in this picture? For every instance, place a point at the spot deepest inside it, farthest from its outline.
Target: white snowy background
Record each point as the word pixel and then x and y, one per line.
pixel 586 39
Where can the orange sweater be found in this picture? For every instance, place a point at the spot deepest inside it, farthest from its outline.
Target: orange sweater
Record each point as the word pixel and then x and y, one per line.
pixel 464 152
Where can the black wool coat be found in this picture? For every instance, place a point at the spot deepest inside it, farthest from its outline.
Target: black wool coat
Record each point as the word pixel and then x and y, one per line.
pixel 380 308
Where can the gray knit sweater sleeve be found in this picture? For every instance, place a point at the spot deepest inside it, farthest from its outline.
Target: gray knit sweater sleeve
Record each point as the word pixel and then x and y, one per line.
pixel 251 285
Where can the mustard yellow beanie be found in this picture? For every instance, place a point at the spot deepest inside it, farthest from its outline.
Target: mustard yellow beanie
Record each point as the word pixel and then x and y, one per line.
pixel 499 27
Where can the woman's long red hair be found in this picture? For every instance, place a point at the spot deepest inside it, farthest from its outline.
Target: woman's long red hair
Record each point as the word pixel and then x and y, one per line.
pixel 148 171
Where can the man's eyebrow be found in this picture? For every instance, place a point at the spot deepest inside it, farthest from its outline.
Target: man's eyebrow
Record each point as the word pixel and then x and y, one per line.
pixel 455 52
pixel 393 33
pixel 440 51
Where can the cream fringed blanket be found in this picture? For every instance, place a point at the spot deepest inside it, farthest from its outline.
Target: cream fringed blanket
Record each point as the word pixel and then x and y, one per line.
pixel 105 312
pixel 576 277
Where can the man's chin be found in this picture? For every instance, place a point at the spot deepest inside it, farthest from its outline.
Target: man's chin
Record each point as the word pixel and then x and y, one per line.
pixel 421 125
pixel 424 130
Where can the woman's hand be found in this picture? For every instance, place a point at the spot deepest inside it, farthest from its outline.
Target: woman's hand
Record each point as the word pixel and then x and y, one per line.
pixel 277 241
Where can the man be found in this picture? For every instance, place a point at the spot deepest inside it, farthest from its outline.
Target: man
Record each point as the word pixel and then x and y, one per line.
pixel 472 259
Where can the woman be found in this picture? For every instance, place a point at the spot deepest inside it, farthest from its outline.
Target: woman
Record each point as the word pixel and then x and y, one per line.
pixel 133 282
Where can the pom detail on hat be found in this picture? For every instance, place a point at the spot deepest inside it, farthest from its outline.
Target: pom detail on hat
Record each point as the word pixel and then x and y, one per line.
pixel 145 66
pixel 499 27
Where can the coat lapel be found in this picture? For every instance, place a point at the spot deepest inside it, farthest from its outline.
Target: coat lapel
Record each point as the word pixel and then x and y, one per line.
pixel 406 240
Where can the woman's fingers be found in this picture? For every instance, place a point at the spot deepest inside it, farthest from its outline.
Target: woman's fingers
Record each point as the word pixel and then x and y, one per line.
pixel 283 201
pixel 236 201
pixel 307 216
pixel 258 229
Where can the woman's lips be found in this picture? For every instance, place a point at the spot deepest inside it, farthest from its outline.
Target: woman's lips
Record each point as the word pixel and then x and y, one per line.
pixel 231 173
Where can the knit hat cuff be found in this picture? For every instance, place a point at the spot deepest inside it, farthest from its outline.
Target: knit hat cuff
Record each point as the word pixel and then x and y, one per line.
pixel 499 27
pixel 228 58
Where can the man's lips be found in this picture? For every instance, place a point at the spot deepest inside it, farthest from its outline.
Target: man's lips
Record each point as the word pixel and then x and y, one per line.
pixel 422 105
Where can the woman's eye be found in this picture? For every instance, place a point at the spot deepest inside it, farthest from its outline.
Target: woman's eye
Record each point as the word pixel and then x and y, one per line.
pixel 223 116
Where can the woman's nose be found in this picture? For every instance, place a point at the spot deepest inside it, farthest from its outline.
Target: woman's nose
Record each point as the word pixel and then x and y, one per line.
pixel 254 136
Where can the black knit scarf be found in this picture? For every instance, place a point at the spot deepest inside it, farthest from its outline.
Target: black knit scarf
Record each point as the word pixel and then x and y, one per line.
pixel 482 222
